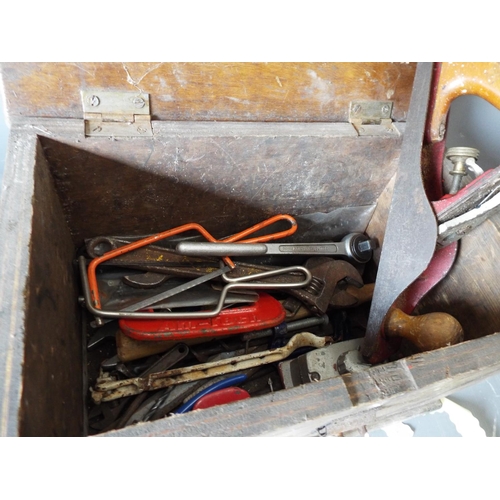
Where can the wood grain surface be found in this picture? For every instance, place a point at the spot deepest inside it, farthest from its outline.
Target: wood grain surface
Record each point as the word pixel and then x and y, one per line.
pixel 223 176
pixel 459 78
pixel 309 92
pixel 337 406
pixel 52 402
pixel 61 187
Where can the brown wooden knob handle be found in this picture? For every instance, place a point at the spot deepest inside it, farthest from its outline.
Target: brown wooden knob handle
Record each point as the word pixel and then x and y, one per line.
pixel 426 332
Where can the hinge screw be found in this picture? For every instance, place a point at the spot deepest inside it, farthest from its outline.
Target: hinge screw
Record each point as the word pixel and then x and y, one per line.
pixel 97 129
pixel 139 102
pixel 94 100
pixel 356 109
pixel 385 109
pixel 141 130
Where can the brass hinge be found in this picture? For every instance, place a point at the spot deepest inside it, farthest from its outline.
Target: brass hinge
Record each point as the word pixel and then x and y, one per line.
pixel 119 114
pixel 372 117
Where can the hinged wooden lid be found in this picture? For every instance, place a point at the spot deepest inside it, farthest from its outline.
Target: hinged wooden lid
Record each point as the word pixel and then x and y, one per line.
pixel 284 92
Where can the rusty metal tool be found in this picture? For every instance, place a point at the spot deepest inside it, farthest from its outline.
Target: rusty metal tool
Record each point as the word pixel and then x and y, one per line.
pixel 160 297
pixel 241 283
pixel 116 295
pixel 456 228
pixel 107 389
pixel 355 246
pixel 166 400
pixel 411 231
pixel 320 364
pixel 91 271
pixel 106 332
pixel 171 358
pixel 290 327
pixel 113 415
pixel 327 274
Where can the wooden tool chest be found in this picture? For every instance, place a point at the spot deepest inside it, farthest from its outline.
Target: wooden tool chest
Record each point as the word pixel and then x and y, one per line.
pixel 137 148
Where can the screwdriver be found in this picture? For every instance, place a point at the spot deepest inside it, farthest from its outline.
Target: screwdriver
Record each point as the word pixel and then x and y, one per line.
pixel 355 246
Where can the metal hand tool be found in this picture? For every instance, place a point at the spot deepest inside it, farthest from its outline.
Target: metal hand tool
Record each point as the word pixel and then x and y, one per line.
pixel 264 313
pixel 355 246
pixel 110 415
pixel 159 297
pixel 106 332
pixel 117 296
pixel 457 215
pixel 411 230
pixel 91 271
pixel 171 358
pixel 97 247
pixel 107 389
pixel 164 401
pixel 328 274
pixel 102 417
pixel 456 228
pixel 459 157
pixel 241 283
pixel 144 281
pixel 266 379
pixel 110 363
pixel 292 326
pixel 320 364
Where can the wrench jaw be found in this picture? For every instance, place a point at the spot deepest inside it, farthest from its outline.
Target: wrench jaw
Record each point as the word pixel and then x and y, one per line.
pixel 325 289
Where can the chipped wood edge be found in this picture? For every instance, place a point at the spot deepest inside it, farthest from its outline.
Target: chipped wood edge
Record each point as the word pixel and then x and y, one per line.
pixel 369 399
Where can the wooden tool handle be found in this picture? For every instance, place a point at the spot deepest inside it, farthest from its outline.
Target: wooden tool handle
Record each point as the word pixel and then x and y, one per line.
pixel 363 294
pixel 426 332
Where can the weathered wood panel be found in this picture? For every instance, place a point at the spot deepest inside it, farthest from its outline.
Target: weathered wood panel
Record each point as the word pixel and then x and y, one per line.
pixel 310 92
pixel 15 228
pixel 333 407
pixel 52 395
pixel 41 368
pixel 238 174
pixel 459 78
pixel 471 290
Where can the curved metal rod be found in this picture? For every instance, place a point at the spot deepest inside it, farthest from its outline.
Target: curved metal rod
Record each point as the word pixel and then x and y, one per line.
pixel 91 272
pixel 235 283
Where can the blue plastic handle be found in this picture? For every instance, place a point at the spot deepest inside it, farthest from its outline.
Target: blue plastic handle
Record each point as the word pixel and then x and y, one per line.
pixel 222 384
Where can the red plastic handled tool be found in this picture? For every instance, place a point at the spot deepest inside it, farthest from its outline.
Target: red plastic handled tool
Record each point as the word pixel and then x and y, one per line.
pixel 221 397
pixel 265 313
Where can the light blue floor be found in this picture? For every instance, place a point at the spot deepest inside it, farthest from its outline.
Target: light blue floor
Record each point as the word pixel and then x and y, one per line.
pixel 480 129
pixel 4 132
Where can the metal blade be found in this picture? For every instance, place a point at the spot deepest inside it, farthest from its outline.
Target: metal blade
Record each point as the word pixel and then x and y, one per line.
pixel 411 231
pixel 173 291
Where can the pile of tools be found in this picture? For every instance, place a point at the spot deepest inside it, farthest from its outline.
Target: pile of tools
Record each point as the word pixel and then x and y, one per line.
pixel 191 328
pixel 178 325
